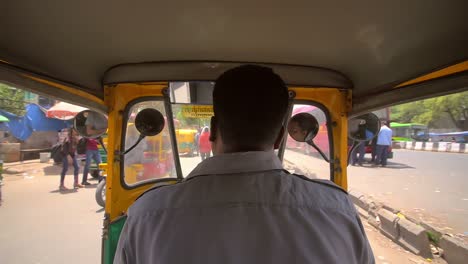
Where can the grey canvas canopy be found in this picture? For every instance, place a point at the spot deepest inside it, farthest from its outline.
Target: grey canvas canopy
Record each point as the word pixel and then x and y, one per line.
pixel 367 46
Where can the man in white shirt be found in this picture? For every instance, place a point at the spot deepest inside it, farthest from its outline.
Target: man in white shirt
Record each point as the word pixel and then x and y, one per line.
pixel 241 206
pixel 384 141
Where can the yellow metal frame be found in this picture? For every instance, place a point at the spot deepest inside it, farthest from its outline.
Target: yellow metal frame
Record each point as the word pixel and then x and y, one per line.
pixel 456 68
pixel 338 103
pixel 117 97
pixel 70 90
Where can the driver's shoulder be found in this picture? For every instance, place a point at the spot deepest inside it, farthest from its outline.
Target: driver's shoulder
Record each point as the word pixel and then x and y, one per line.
pixel 153 198
pixel 318 183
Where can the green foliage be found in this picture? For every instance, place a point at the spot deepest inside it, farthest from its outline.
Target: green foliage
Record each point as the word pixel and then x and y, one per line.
pixel 433 237
pixel 12 100
pixel 428 111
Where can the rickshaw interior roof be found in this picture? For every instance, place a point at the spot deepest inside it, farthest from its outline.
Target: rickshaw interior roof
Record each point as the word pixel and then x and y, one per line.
pixel 368 46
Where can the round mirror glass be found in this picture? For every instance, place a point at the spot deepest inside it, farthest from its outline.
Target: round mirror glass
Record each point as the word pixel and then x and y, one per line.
pixel 90 124
pixel 303 127
pixel 363 127
pixel 149 122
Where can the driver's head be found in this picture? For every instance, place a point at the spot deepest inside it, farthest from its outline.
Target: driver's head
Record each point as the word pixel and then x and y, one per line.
pixel 250 103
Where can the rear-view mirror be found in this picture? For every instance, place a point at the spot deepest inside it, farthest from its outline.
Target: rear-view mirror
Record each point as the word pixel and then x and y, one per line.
pixel 90 124
pixel 364 127
pixel 149 122
pixel 303 127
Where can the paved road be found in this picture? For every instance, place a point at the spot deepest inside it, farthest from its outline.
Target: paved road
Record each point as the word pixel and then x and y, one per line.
pixel 39 225
pixel 429 186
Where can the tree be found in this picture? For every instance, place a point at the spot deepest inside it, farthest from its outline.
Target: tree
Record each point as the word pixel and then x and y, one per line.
pixel 456 107
pixel 429 111
pixel 12 100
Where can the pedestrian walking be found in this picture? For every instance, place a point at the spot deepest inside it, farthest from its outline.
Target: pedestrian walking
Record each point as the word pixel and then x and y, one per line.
pixel 374 148
pixel 197 138
pixel 92 153
pixel 69 149
pixel 360 149
pixel 384 141
pixel 204 143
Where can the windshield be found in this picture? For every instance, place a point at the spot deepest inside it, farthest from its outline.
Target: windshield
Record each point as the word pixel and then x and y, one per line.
pixel 302 158
pixel 153 157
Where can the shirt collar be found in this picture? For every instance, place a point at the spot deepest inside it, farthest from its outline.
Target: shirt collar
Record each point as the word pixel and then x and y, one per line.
pixel 238 162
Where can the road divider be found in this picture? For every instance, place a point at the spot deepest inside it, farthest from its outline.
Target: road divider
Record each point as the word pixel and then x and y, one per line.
pixel 412 235
pixel 431 146
pixel 418 146
pixel 454 250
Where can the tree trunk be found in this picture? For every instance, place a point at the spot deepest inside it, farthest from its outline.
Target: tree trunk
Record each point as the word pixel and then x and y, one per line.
pixel 454 120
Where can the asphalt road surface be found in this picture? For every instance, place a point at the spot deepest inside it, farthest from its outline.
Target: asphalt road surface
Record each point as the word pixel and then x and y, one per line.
pixel 40 225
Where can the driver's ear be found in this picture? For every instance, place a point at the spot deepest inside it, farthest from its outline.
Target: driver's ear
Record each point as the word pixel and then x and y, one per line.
pixel 279 138
pixel 213 129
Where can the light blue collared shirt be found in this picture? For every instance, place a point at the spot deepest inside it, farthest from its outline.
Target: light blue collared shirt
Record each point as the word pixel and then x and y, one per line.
pixel 385 136
pixel 244 208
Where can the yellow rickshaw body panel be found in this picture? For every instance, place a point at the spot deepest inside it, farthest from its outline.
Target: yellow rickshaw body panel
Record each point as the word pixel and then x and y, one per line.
pixel 117 97
pixel 338 103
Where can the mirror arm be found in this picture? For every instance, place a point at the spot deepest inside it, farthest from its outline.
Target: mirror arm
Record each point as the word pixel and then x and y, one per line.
pixel 311 143
pixel 102 144
pixel 140 138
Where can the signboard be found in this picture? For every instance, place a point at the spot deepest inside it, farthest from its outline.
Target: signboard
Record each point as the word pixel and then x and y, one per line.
pixel 197 111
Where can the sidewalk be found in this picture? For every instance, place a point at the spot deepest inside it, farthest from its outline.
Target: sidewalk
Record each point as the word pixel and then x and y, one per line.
pixel 432 146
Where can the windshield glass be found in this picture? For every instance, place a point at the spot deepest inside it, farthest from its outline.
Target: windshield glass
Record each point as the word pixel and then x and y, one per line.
pixel 302 158
pixel 192 134
pixel 152 158
pixel 191 105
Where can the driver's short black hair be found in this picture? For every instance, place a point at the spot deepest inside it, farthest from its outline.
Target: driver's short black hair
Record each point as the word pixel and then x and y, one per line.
pixel 250 103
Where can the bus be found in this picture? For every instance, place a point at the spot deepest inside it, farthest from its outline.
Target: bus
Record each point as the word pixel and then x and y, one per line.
pixel 409 132
pixel 457 137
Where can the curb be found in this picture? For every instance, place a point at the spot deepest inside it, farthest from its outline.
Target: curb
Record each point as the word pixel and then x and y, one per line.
pixel 454 251
pixel 431 146
pixel 407 232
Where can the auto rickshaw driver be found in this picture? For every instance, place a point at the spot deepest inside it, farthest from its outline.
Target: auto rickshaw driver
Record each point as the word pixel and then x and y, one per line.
pixel 241 206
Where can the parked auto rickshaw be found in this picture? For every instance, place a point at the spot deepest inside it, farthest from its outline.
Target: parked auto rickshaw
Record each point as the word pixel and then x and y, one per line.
pixel 345 58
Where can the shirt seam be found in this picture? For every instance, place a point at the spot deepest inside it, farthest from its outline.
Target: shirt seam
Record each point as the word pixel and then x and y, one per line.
pixel 247 173
pixel 248 205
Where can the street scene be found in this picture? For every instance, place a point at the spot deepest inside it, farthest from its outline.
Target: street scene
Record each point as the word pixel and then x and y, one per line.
pixel 59 226
pixel 47 202
pixel 36 215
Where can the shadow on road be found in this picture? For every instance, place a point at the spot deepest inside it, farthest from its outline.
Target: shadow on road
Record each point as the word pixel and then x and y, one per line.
pixel 396 165
pixel 92 186
pixel 390 165
pixel 65 192
pixel 12 171
pixel 53 170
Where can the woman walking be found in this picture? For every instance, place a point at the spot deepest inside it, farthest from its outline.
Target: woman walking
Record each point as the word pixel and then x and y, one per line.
pixel 69 149
pixel 204 143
